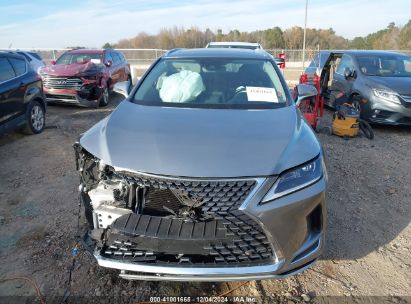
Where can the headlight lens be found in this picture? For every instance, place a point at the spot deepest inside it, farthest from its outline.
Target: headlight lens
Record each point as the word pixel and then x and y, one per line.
pixel 387 95
pixel 296 179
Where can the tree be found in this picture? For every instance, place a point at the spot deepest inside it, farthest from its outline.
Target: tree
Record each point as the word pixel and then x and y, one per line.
pixel 107 46
pixel 358 43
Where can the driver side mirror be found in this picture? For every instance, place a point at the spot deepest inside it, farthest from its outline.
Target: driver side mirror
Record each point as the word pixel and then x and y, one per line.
pixel 53 62
pixel 109 63
pixel 122 88
pixel 304 91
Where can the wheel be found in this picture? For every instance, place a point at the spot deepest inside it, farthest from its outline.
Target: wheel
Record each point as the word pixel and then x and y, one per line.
pixel 365 128
pixel 36 118
pixel 104 99
pixel 356 103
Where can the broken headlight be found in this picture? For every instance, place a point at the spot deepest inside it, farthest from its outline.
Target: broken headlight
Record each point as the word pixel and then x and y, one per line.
pixel 296 179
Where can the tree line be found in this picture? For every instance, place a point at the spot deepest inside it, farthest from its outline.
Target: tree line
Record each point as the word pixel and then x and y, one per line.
pixel 393 37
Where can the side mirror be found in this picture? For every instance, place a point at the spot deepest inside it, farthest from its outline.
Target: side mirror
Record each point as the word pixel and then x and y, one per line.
pixel 305 91
pixel 348 73
pixel 109 63
pixel 53 62
pixel 122 88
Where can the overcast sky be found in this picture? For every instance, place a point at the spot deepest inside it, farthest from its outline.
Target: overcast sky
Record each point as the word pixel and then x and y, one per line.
pixel 91 23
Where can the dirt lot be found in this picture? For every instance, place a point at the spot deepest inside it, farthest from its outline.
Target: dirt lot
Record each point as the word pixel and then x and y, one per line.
pixel 368 250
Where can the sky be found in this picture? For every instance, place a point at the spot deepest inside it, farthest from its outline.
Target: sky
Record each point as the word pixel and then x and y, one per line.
pixel 91 23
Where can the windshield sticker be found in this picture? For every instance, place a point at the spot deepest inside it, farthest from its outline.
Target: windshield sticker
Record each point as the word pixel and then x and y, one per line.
pixel 261 94
pixel 96 61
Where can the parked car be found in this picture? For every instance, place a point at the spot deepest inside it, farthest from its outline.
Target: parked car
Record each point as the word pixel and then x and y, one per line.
pixel 22 103
pixel 206 172
pixel 235 45
pixel 84 77
pixel 242 45
pixel 378 83
pixel 34 59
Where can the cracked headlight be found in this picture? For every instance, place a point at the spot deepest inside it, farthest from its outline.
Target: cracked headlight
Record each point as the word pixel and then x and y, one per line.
pixel 296 179
pixel 387 95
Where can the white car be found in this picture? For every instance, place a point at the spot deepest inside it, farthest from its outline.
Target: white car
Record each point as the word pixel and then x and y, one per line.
pixel 235 45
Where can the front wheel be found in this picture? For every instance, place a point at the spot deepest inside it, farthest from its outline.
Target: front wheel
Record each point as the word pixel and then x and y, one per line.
pixel 36 119
pixel 356 103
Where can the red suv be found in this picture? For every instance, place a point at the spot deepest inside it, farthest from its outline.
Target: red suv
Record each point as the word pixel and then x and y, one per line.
pixel 84 77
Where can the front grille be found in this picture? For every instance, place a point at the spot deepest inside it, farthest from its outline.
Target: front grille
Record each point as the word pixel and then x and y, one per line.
pixel 188 222
pixel 54 82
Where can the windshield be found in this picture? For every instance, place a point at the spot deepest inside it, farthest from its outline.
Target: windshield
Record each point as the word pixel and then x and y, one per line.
pixel 212 83
pixel 70 58
pixel 385 65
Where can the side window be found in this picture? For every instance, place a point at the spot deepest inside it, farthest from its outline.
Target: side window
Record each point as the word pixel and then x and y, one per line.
pixel 116 58
pixel 346 61
pixel 6 70
pixel 25 55
pixel 19 66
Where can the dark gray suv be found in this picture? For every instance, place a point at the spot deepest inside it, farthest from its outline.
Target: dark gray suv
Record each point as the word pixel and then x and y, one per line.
pixel 378 83
pixel 206 171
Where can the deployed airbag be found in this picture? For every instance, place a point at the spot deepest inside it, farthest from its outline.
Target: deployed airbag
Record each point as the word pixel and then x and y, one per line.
pixel 183 86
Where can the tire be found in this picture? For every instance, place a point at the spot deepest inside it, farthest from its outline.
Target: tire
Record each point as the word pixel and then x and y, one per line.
pixel 356 103
pixel 36 118
pixel 105 98
pixel 365 128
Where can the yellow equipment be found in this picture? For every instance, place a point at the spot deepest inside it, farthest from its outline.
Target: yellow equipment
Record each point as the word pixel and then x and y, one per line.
pixel 346 121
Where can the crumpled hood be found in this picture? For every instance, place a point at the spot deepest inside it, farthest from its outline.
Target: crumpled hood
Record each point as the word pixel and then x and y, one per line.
pixel 74 69
pixel 190 142
pixel 401 85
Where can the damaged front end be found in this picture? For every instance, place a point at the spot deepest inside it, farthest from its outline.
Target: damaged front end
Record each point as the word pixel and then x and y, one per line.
pixel 83 88
pixel 162 225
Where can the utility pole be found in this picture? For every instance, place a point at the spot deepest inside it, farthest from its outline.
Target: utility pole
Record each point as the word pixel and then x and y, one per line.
pixel 305 30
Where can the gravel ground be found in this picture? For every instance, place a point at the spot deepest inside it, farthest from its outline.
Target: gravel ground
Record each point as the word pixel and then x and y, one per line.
pixel 368 251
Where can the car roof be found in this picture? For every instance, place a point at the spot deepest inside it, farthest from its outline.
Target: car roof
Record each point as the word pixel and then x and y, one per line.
pixel 218 53
pixel 4 53
pixel 90 51
pixel 235 43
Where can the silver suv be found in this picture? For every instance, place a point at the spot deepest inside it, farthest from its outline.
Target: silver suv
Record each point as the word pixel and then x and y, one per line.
pixel 206 171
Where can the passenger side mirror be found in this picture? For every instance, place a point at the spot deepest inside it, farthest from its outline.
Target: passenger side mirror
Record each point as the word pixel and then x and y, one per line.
pixel 109 63
pixel 305 91
pixel 122 88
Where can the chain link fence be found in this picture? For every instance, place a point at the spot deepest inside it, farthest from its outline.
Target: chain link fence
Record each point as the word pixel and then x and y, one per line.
pixel 134 56
pixel 140 59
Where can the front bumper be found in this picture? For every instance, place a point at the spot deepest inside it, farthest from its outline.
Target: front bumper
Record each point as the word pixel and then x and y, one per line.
pixel 388 113
pixel 89 97
pixel 294 225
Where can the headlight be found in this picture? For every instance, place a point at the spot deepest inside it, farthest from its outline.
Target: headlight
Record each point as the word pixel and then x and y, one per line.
pixel 295 179
pixel 387 95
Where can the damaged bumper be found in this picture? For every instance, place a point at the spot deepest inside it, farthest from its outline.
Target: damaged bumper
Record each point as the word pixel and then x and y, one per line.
pixel 170 228
pixel 72 90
